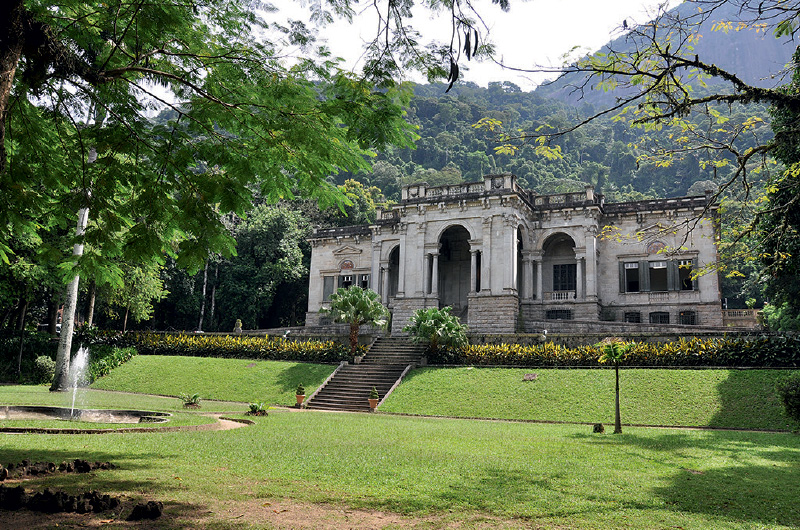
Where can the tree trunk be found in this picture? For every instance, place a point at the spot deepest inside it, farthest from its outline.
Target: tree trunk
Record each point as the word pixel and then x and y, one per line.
pixel 11 43
pixel 92 296
pixel 214 296
pixel 125 320
pixel 203 300
pixel 68 318
pixel 617 418
pixel 353 338
pixel 22 312
pixel 21 340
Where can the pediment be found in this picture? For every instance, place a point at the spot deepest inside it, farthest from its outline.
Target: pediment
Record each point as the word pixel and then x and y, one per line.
pixel 347 250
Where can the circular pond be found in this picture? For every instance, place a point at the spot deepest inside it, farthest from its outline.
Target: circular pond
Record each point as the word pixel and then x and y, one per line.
pixel 30 412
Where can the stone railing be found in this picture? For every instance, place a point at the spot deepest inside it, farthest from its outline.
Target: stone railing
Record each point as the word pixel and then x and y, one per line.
pixel 658 296
pixel 741 318
pixel 455 189
pixel 562 200
pixel 554 296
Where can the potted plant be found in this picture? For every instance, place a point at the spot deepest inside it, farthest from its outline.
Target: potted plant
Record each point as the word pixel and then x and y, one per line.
pixel 373 399
pixel 300 394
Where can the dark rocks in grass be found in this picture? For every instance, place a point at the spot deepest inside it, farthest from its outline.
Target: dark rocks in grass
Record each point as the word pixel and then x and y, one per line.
pixel 27 469
pixel 13 498
pixel 151 510
pixel 49 501
pixel 598 428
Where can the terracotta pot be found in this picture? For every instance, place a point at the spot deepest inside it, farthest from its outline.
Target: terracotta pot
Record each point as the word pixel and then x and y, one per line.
pixel 300 398
pixel 373 404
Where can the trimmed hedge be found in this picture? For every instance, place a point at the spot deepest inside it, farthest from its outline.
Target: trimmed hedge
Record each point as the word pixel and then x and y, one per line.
pixel 745 352
pixel 239 347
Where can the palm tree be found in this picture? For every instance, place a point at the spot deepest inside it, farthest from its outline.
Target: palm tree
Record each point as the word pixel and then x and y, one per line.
pixel 614 351
pixel 357 306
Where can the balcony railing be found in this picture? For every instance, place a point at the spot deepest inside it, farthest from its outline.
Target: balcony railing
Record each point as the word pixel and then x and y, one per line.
pixel 555 296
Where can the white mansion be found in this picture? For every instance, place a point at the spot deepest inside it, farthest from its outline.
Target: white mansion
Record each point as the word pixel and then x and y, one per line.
pixel 507 259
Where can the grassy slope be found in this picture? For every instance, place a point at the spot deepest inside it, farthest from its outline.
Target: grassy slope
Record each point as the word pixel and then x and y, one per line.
pixel 526 474
pixel 271 382
pixel 742 399
pixel 721 398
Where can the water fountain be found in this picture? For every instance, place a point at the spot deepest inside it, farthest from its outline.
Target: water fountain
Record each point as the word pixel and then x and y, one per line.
pixel 78 381
pixel 77 374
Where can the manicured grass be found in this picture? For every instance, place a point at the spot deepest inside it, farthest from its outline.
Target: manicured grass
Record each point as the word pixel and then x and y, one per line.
pixel 520 475
pixel 271 382
pixel 96 399
pixel 742 399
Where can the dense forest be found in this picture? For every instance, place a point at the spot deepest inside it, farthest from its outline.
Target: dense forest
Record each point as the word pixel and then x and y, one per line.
pixel 265 284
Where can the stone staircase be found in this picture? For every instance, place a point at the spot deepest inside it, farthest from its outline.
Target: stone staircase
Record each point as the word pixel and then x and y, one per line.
pixel 382 367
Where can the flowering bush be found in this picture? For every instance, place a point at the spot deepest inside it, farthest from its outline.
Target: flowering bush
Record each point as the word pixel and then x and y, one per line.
pixel 762 352
pixel 240 347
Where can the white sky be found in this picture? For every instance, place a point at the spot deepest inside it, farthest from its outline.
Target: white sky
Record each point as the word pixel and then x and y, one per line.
pixel 532 32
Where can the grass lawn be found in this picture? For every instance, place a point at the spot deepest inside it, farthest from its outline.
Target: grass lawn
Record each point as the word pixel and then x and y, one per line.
pixel 270 382
pixel 337 470
pixel 743 399
pixel 443 472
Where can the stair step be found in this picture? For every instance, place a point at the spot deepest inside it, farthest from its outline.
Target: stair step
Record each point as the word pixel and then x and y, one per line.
pixel 384 363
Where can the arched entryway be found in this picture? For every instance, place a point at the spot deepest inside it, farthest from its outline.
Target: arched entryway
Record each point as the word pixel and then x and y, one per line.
pixel 559 268
pixel 393 272
pixel 454 269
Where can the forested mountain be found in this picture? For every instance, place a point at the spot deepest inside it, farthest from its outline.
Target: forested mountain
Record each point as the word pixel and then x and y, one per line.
pixel 606 153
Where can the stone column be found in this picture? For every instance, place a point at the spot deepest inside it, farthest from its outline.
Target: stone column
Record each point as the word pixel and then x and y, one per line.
pixel 473 271
pixel 486 257
pixel 385 282
pixel 401 269
pixel 537 256
pixel 426 267
pixel 435 275
pixel 591 263
pixel 375 268
pixel 527 275
pixel 579 294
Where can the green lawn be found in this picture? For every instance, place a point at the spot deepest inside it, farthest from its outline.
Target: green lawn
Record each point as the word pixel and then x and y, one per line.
pixel 271 382
pixel 516 474
pixel 441 472
pixel 743 399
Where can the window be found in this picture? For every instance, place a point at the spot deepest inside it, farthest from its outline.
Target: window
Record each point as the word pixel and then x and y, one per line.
pixel 685 275
pixel 558 314
pixel 633 316
pixel 659 317
pixel 631 278
pixel 327 288
pixel 688 318
pixel 658 275
pixel 564 277
pixel 363 281
pixel 346 281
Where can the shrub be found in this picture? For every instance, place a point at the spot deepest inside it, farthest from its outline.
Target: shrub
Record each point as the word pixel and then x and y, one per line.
pixel 788 389
pixel 105 358
pixel 239 347
pixel 438 327
pixel 190 400
pixel 758 352
pixel 43 369
pixel 301 390
pixel 257 409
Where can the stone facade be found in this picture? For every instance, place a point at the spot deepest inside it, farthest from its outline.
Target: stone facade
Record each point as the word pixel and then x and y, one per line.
pixel 508 260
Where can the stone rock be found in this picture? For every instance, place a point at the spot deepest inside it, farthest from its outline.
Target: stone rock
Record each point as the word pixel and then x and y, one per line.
pixel 598 427
pixel 151 510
